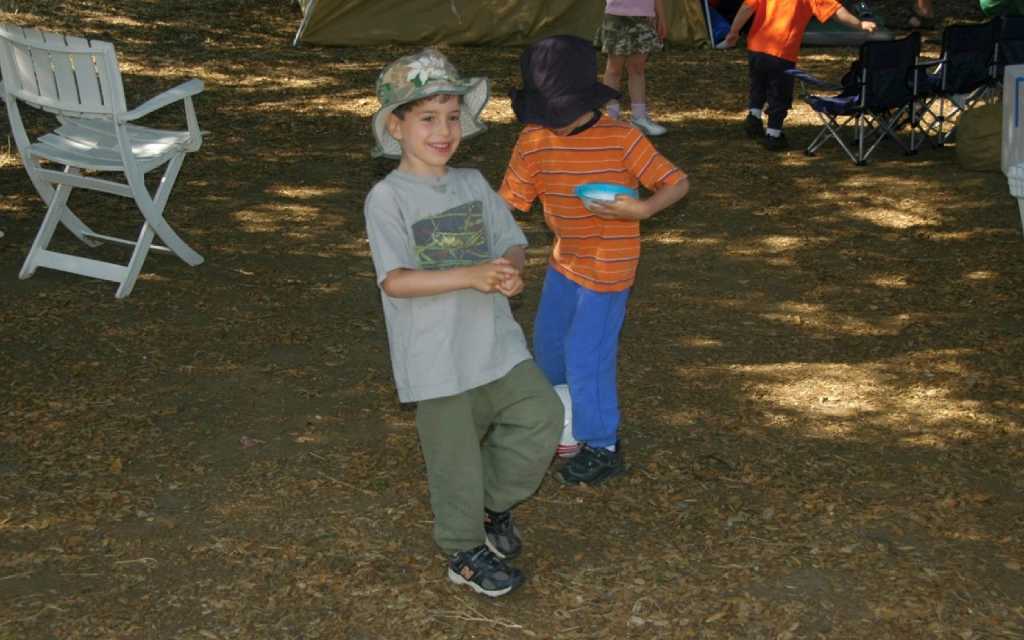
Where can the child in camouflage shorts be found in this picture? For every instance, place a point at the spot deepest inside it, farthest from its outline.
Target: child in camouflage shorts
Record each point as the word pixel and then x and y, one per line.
pixel 630 32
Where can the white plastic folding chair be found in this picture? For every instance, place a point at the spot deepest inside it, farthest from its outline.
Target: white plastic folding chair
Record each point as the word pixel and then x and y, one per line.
pixel 95 146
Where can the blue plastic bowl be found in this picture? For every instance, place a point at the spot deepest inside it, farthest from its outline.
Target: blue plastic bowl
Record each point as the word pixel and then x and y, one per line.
pixel 592 192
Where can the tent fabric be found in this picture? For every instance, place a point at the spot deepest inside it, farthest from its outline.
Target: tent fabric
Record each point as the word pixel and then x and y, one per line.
pixel 469 22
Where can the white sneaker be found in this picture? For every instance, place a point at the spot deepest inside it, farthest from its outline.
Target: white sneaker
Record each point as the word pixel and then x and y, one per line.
pixel 648 126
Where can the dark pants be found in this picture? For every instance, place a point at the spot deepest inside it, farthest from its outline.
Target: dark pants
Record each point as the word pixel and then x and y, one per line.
pixel 769 83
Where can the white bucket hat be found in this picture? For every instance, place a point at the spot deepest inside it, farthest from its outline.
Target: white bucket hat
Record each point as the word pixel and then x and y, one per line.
pixel 421 75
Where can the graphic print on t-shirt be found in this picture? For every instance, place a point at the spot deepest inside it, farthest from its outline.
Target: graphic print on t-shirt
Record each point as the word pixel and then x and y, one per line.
pixel 454 238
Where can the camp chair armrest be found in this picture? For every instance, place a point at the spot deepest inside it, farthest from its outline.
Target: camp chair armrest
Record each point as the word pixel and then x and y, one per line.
pixel 930 63
pixel 809 80
pixel 180 92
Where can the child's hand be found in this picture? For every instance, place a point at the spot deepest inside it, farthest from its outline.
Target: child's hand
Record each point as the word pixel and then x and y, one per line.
pixel 488 277
pixel 868 25
pixel 624 208
pixel 731 39
pixel 511 285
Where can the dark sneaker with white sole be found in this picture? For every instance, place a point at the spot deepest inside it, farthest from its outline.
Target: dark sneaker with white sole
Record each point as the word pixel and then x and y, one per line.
pixel 483 572
pixel 753 126
pixel 592 466
pixel 502 534
pixel 775 143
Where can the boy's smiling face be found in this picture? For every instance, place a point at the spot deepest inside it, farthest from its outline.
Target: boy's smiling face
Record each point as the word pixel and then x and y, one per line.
pixel 429 132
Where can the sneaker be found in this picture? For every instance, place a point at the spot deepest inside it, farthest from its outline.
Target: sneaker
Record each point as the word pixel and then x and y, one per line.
pixel 774 143
pixel 483 572
pixel 592 466
pixel 753 126
pixel 648 126
pixel 502 534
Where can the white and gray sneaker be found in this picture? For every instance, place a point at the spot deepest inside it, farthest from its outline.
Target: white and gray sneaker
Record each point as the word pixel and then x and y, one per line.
pixel 648 126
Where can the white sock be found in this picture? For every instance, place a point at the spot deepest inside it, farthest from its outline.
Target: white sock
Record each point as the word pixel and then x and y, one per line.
pixel 757 113
pixel 639 109
pixel 613 109
pixel 775 133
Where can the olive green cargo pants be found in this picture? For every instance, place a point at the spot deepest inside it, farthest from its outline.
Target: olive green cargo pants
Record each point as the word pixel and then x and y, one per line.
pixel 487 447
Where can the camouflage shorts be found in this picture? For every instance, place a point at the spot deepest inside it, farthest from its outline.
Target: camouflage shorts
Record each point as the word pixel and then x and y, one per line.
pixel 626 35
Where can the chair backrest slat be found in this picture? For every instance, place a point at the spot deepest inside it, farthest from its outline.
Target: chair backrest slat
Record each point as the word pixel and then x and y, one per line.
pixel 23 75
pixel 63 73
pixel 43 69
pixel 87 78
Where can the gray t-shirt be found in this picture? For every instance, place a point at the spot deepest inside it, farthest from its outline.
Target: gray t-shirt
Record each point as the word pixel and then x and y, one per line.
pixel 444 344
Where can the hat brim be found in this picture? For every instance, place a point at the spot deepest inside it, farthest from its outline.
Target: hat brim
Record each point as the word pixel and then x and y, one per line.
pixel 475 93
pixel 532 107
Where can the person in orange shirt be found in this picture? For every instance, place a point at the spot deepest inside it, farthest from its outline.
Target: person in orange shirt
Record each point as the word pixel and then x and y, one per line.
pixel 567 142
pixel 774 45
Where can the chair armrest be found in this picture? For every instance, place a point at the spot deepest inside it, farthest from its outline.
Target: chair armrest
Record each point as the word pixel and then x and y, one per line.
pixel 918 75
pixel 809 80
pixel 930 63
pixel 180 92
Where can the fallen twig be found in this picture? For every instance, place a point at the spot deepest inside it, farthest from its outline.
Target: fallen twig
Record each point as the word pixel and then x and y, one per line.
pixel 145 561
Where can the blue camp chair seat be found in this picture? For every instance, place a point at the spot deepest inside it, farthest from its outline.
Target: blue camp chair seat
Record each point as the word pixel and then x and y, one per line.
pixel 836 105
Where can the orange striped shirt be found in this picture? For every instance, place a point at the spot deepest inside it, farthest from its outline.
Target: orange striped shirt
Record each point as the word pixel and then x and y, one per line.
pixel 595 253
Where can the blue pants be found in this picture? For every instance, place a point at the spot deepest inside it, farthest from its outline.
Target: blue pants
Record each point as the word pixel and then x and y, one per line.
pixel 576 342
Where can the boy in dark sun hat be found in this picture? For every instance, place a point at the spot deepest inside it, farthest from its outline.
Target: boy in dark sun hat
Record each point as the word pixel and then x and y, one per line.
pixel 567 142
pixel 448 255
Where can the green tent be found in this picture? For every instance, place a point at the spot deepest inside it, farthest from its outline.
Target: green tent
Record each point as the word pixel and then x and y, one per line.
pixel 469 22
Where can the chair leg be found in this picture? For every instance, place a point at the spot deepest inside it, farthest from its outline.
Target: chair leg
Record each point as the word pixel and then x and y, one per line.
pixel 152 209
pixel 54 213
pixel 861 158
pixel 68 218
pixel 142 245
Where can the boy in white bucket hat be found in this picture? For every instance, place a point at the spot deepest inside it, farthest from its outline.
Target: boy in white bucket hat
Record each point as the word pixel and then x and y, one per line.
pixel 448 255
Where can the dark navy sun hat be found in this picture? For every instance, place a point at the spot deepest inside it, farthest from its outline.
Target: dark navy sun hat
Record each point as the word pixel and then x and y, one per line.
pixel 559 82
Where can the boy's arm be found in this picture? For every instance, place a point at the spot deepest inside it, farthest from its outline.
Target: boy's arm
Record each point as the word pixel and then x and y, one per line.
pixel 398 273
pixel 626 208
pixel 850 20
pixel 485 277
pixel 742 16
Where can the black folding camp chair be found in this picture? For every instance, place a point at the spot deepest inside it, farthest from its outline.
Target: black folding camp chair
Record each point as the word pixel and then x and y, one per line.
pixel 961 77
pixel 1009 45
pixel 875 102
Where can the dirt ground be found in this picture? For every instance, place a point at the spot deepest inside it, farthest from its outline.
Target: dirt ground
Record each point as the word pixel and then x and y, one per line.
pixel 821 379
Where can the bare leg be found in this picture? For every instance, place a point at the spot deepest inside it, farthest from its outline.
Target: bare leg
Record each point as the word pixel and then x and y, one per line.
pixel 638 95
pixel 613 78
pixel 637 80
